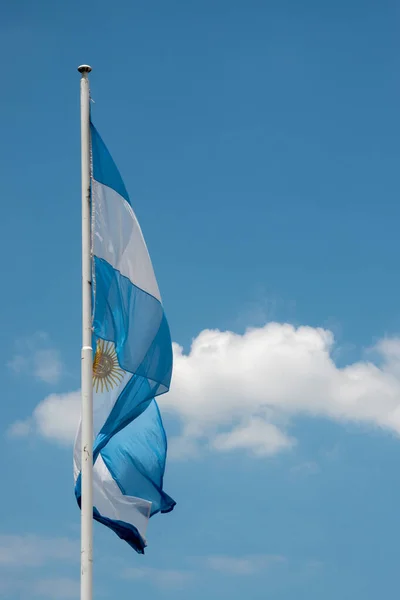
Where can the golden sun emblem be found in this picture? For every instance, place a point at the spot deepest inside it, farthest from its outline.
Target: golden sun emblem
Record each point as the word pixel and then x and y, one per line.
pixel 106 370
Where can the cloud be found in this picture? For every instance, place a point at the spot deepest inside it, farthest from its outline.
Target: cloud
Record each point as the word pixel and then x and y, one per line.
pixel 34 356
pixel 235 391
pixel 226 565
pixel 241 392
pixel 256 435
pixel 244 565
pixel 305 468
pixel 20 429
pixel 35 551
pixel 47 365
pixel 160 577
pixel 56 419
pixel 23 557
pixel 59 588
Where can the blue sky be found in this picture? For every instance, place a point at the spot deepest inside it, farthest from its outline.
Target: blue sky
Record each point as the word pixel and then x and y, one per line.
pixel 259 144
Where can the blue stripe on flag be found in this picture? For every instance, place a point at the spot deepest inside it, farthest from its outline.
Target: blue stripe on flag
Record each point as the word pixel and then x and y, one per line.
pixel 135 321
pixel 104 168
pixel 136 459
pixel 126 531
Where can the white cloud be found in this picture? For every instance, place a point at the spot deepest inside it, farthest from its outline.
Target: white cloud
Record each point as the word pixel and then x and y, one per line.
pixel 244 565
pixel 162 578
pixel 17 363
pixel 223 564
pixel 256 435
pixel 226 565
pixel 20 428
pixel 250 386
pixel 242 391
pixel 34 551
pixel 35 356
pixel 24 556
pixel 47 365
pixel 59 588
pixel 305 468
pixel 56 419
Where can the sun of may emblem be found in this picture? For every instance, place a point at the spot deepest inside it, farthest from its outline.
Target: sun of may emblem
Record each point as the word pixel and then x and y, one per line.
pixel 106 370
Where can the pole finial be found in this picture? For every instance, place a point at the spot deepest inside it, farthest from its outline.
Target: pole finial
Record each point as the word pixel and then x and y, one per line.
pixel 84 69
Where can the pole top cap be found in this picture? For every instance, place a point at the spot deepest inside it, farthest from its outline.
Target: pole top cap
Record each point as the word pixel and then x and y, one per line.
pixel 84 69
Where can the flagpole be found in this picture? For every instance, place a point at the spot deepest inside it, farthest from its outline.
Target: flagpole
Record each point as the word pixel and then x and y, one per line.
pixel 87 356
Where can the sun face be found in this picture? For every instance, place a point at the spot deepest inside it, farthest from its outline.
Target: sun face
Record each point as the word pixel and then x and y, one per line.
pixel 106 370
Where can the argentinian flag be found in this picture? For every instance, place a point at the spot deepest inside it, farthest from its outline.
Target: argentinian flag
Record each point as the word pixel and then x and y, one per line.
pixel 132 363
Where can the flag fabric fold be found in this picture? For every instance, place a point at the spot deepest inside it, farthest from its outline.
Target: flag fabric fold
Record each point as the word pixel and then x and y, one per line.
pixel 132 363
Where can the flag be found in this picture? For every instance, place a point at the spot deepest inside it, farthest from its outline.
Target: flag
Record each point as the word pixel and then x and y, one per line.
pixel 132 363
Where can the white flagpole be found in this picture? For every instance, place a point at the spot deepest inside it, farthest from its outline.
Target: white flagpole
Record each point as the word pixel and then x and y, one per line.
pixel 87 357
